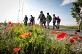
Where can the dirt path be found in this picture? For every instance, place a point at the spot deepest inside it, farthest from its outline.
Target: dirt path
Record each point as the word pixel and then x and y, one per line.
pixel 69 31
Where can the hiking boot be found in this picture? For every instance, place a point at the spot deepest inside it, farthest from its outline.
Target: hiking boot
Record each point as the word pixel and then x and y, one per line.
pixel 77 30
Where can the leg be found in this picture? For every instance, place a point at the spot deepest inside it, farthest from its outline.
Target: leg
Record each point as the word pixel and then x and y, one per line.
pixel 40 23
pixel 48 24
pixel 79 25
pixel 53 24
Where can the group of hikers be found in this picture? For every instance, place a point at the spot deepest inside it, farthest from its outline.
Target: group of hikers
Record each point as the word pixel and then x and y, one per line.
pixel 44 19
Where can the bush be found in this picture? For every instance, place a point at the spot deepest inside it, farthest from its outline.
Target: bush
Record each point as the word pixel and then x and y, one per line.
pixel 21 39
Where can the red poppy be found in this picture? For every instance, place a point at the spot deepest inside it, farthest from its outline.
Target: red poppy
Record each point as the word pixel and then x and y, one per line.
pixel 9 22
pixel 23 35
pixel 16 49
pixel 80 38
pixel 75 37
pixel 62 35
pixel 71 40
pixel 54 32
pixel 12 25
pixel 18 24
pixel 29 33
pixel 26 34
pixel 75 32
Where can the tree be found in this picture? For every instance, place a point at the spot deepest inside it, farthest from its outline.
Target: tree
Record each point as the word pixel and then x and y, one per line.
pixel 76 10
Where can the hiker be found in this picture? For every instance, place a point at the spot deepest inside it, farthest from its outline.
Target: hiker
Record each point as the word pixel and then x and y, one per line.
pixel 54 21
pixel 31 20
pixel 80 20
pixel 25 20
pixel 42 19
pixel 58 22
pixel 49 18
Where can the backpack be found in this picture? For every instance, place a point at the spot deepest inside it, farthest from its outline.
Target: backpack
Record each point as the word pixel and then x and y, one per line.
pixel 32 19
pixel 50 18
pixel 42 18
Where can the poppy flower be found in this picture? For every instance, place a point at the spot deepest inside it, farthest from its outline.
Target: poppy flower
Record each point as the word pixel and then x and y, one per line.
pixel 75 32
pixel 16 49
pixel 54 32
pixel 75 37
pixel 23 35
pixel 62 35
pixel 9 22
pixel 80 38
pixel 29 33
pixel 71 40
pixel 18 24
pixel 26 34
pixel 12 25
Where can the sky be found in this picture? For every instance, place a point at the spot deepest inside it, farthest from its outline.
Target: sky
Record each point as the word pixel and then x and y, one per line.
pixel 15 10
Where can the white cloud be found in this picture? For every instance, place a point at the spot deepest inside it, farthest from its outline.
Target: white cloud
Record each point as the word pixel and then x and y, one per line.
pixel 64 2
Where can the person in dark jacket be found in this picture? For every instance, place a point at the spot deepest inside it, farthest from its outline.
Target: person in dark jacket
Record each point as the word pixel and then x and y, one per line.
pixel 32 20
pixel 42 19
pixel 25 20
pixel 54 21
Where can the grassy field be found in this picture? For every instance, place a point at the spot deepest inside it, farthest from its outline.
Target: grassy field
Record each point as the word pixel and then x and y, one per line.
pixel 69 27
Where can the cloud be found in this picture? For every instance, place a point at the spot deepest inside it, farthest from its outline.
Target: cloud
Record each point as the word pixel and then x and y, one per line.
pixel 64 2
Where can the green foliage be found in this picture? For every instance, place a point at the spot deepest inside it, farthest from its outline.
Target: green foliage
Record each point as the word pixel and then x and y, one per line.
pixel 39 42
pixel 76 10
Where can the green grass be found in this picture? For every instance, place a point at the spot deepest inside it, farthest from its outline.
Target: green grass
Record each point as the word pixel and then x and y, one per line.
pixel 69 27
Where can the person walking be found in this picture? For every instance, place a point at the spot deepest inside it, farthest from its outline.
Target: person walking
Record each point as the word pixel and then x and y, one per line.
pixel 31 20
pixel 54 21
pixel 25 20
pixel 58 22
pixel 49 18
pixel 80 20
pixel 42 19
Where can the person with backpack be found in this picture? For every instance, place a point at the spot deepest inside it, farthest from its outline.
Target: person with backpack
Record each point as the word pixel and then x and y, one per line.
pixel 25 20
pixel 54 21
pixel 42 19
pixel 49 18
pixel 58 22
pixel 31 20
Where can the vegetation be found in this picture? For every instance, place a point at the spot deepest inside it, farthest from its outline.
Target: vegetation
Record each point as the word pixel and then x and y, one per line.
pixel 76 10
pixel 20 39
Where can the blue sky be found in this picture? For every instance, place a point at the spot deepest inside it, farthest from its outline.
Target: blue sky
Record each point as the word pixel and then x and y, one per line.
pixel 35 6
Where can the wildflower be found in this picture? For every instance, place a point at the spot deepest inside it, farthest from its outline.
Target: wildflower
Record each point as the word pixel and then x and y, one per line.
pixel 9 22
pixel 75 32
pixel 80 38
pixel 62 35
pixel 26 34
pixel 29 33
pixel 23 35
pixel 18 24
pixel 54 32
pixel 16 49
pixel 12 25
pixel 75 37
pixel 72 40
